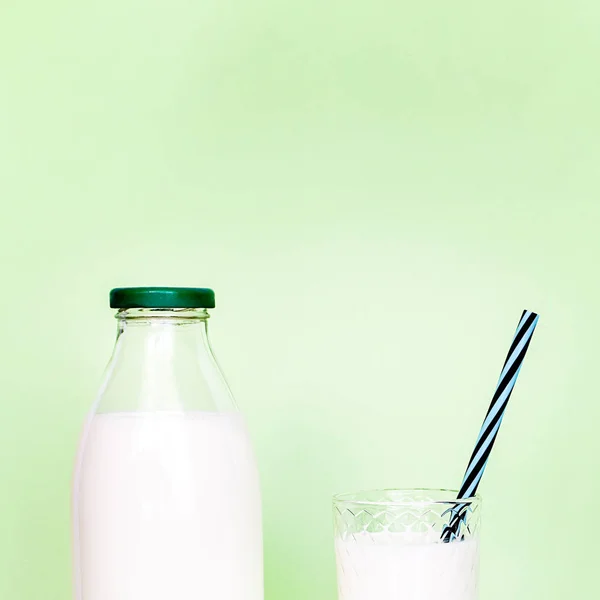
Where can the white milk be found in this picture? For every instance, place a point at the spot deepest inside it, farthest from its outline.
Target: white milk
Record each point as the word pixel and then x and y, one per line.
pixel 399 566
pixel 168 508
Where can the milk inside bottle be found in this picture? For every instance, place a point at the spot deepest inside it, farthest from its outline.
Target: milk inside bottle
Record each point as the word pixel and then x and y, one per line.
pixel 166 498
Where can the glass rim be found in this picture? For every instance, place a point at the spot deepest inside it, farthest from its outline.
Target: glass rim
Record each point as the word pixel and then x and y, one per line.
pixel 143 314
pixel 358 498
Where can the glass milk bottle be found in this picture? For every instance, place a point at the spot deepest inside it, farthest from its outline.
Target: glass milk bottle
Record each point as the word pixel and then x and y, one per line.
pixel 166 499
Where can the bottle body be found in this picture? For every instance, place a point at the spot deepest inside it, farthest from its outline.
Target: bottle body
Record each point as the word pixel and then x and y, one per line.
pixel 166 497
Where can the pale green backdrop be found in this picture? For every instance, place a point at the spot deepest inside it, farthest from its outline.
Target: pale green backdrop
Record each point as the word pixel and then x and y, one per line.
pixel 375 190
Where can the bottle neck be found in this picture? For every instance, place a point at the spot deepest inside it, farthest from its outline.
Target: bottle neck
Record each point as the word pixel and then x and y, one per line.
pixel 163 361
pixel 160 335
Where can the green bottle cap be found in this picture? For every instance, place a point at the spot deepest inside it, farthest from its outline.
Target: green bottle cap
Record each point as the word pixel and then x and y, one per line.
pixel 162 297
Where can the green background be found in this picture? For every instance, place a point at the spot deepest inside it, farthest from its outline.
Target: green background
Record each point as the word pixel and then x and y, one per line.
pixel 375 190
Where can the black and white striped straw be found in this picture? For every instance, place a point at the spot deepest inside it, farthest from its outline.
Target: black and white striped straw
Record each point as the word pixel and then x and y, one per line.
pixel 491 424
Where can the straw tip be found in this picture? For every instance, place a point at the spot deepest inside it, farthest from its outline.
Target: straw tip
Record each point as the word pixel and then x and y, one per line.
pixel 530 313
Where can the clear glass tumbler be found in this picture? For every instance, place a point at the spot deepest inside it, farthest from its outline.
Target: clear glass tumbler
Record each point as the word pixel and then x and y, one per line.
pixel 389 545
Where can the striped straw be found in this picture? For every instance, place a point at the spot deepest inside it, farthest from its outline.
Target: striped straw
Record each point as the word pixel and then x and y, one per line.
pixel 491 424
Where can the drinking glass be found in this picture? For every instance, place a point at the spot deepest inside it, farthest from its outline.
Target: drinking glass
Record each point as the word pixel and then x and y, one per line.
pixel 412 544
